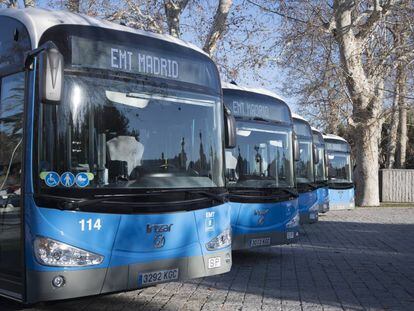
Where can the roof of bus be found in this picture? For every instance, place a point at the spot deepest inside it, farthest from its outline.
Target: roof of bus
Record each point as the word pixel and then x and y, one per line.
pixel 262 91
pixel 37 21
pixel 332 136
pixel 316 130
pixel 296 116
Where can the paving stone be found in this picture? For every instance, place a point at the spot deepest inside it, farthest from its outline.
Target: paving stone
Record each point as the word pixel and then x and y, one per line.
pixel 350 260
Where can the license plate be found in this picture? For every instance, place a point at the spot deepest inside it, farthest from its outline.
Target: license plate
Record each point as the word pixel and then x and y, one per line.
pixel 214 262
pixel 260 242
pixel 158 276
pixel 290 235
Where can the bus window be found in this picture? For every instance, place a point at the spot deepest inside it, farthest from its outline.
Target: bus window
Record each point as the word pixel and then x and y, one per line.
pixel 11 136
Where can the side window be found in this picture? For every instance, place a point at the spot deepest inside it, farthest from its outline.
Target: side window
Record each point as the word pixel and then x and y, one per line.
pixel 11 133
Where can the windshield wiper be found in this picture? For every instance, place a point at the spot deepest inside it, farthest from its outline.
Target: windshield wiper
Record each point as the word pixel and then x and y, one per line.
pixel 293 192
pixel 72 203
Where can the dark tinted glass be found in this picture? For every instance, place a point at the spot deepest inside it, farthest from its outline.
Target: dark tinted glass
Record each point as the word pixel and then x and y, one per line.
pixel 14 42
pixel 11 137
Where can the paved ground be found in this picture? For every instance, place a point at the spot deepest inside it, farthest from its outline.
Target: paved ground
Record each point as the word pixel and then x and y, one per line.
pixel 353 260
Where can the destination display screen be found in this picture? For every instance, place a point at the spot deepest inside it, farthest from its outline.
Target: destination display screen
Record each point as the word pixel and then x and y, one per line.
pixel 252 105
pixel 335 145
pixel 144 60
pixel 318 138
pixel 302 128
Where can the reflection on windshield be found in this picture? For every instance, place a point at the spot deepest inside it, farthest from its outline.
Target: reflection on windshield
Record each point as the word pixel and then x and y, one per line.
pixel 126 135
pixel 320 167
pixel 304 171
pixel 262 158
pixel 339 167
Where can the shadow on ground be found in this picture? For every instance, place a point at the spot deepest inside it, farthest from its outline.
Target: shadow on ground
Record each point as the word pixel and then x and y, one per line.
pixel 345 265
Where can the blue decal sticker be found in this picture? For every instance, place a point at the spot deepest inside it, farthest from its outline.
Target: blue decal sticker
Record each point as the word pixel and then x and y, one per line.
pixel 67 179
pixel 210 221
pixel 82 180
pixel 52 179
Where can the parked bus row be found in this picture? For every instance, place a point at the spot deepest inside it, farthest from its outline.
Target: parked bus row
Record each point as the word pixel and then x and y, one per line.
pixel 125 162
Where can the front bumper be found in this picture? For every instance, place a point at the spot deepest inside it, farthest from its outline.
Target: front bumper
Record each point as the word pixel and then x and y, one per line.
pixel 323 208
pixel 244 241
pixel 309 217
pixel 79 283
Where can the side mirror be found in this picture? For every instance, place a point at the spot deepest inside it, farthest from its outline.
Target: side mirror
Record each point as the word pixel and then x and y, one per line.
pixel 50 76
pixel 296 148
pixel 230 129
pixel 315 154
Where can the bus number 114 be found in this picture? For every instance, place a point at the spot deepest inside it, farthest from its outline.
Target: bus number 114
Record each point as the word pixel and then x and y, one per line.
pixel 87 224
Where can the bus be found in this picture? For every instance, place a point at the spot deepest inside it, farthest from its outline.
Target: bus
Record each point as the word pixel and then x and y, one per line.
pixel 260 170
pixel 305 173
pixel 321 176
pixel 340 177
pixel 111 160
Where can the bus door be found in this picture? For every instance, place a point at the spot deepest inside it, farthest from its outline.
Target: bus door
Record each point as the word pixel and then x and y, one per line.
pixel 11 155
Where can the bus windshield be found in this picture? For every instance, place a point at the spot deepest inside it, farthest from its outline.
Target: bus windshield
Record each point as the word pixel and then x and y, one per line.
pixel 262 158
pixel 339 167
pixel 124 134
pixel 339 161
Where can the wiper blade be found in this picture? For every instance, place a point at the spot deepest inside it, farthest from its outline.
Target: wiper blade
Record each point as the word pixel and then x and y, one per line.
pixel 293 192
pixel 72 203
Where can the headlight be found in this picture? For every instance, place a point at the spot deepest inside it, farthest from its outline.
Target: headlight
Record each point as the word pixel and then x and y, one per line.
pixel 53 253
pixel 294 221
pixel 220 241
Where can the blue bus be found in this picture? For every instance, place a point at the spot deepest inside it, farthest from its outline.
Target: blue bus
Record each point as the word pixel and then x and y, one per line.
pixel 340 177
pixel 260 170
pixel 305 173
pixel 321 177
pixel 112 158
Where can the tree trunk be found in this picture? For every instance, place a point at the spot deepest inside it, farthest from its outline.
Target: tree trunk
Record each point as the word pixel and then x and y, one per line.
pixel 366 170
pixel 392 138
pixel 173 10
pixel 73 6
pixel 218 27
pixel 366 102
pixel 402 107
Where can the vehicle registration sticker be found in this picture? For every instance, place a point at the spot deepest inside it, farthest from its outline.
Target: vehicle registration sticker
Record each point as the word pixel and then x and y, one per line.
pixel 290 235
pixel 158 276
pixel 260 242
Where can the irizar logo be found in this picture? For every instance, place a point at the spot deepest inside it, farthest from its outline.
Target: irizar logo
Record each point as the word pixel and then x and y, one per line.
pixel 158 228
pixel 262 214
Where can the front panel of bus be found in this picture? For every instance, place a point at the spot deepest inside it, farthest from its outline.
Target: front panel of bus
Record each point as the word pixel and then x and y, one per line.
pixel 305 175
pixel 124 178
pixel 321 177
pixel 341 186
pixel 260 176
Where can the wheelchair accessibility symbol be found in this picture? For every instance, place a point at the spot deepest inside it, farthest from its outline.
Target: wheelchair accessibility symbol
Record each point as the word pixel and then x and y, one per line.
pixel 52 179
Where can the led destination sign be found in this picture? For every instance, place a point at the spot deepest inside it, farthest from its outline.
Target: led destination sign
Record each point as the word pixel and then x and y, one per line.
pixel 252 105
pixel 144 60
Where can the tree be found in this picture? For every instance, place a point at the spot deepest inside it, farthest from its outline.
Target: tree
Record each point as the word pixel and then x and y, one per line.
pixel 350 39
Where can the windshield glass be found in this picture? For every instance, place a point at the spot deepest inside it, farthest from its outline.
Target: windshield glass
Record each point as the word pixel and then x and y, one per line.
pixel 339 167
pixel 123 134
pixel 262 158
